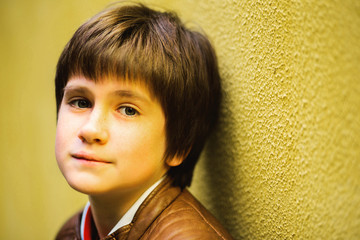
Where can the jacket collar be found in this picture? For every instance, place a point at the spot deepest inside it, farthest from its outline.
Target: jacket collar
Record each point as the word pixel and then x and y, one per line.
pixel 159 199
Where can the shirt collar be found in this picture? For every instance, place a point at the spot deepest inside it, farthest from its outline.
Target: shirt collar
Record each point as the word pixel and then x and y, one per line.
pixel 86 211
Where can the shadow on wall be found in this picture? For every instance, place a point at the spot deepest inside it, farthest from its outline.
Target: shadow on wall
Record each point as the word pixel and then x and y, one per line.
pixel 217 181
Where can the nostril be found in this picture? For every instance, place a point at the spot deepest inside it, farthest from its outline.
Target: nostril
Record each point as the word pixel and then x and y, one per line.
pixel 82 138
pixel 91 133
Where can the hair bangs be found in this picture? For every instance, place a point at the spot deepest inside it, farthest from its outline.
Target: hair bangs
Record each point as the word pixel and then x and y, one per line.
pixel 105 55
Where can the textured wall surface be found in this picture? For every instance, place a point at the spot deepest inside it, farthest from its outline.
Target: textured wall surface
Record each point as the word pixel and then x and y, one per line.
pixel 284 163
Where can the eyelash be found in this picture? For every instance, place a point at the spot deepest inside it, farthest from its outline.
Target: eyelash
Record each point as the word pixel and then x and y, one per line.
pixel 75 103
pixel 123 109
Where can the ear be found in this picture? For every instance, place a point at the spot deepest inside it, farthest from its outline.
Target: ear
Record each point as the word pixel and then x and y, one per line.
pixel 175 161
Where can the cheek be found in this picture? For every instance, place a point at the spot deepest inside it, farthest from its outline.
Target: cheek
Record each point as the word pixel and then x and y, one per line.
pixel 62 146
pixel 153 145
pixel 59 148
pixel 66 126
pixel 61 137
pixel 140 142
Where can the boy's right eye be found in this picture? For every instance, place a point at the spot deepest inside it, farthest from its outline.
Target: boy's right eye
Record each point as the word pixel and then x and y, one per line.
pixel 80 103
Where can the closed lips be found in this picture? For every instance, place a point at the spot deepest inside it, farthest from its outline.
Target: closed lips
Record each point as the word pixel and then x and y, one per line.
pixel 88 157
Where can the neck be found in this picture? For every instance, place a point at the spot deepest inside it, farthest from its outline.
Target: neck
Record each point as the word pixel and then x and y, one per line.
pixel 106 212
pixel 108 209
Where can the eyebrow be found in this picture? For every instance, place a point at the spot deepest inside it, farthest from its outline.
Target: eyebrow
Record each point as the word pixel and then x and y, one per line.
pixel 76 90
pixel 121 93
pixel 130 94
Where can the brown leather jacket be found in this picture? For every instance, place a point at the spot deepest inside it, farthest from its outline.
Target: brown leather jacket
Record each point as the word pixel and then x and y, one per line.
pixel 167 213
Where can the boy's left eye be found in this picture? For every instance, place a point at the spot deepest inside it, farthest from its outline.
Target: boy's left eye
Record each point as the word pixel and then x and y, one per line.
pixel 128 111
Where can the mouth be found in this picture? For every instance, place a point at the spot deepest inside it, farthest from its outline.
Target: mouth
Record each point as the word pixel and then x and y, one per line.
pixel 88 158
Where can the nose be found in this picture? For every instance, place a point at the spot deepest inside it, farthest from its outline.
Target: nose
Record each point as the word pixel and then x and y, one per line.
pixel 94 129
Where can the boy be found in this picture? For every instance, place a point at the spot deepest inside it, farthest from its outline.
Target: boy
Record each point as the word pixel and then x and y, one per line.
pixel 137 94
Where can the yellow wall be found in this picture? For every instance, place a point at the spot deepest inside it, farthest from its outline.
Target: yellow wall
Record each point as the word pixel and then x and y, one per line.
pixel 285 160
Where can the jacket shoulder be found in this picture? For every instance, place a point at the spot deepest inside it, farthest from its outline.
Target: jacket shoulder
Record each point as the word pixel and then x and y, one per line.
pixel 186 218
pixel 71 228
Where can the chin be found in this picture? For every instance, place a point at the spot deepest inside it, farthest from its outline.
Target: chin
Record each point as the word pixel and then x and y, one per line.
pixel 86 186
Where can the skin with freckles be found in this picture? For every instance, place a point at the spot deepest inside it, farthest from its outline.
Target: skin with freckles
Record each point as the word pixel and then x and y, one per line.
pixel 110 143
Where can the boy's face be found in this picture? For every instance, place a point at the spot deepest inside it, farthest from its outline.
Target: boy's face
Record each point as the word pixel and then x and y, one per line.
pixel 110 137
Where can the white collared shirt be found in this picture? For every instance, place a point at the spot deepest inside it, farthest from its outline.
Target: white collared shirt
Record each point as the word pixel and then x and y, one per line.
pixel 128 216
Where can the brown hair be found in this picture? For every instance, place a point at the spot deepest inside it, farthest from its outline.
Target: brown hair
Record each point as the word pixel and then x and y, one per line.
pixel 179 66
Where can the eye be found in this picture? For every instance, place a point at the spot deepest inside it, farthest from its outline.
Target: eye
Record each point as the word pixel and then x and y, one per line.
pixel 128 111
pixel 80 103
